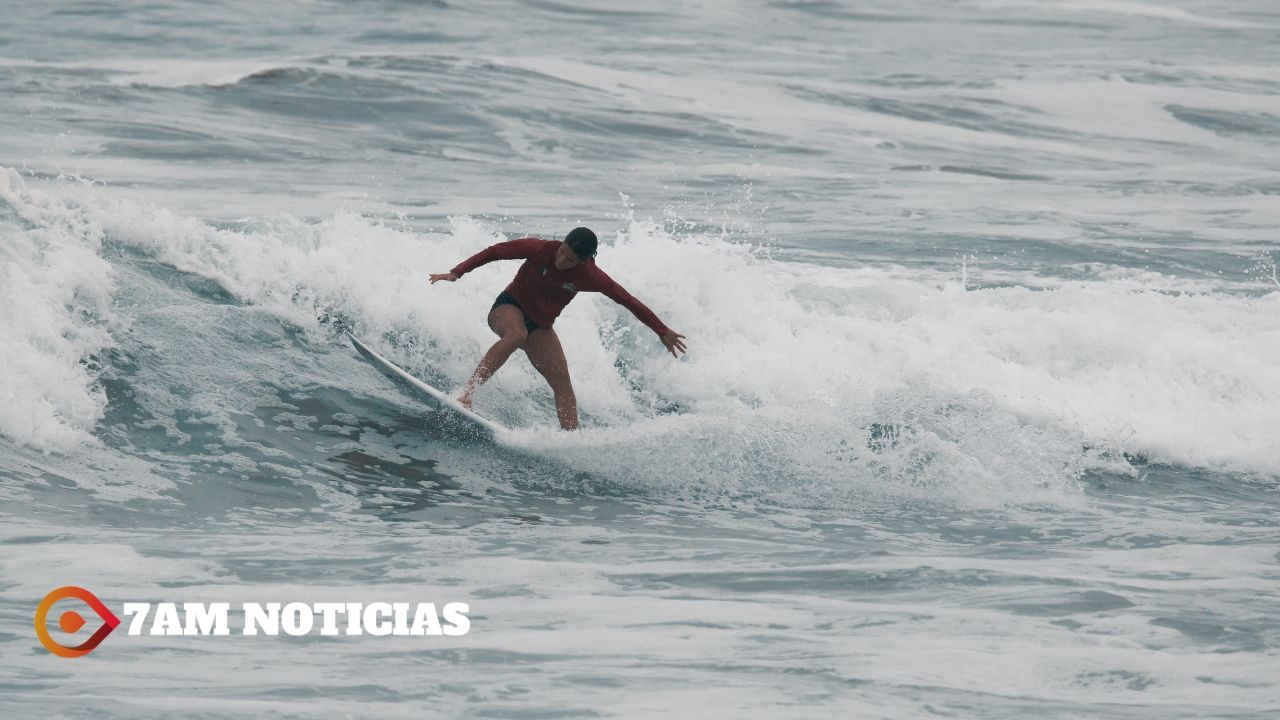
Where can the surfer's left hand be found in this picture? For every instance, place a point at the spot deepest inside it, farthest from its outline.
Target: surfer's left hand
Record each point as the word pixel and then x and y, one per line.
pixel 437 277
pixel 674 341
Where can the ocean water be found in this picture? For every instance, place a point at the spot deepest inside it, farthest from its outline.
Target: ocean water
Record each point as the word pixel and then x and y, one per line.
pixel 980 417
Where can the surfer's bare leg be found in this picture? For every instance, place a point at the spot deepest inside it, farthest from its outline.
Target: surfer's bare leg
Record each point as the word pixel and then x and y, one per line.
pixel 508 322
pixel 544 351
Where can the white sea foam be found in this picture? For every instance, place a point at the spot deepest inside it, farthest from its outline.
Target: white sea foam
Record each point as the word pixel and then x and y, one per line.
pixel 55 314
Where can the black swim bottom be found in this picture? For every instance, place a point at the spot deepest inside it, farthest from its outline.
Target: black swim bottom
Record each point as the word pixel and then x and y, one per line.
pixel 506 298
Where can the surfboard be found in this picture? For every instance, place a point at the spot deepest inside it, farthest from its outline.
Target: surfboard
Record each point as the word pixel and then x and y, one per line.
pixel 451 411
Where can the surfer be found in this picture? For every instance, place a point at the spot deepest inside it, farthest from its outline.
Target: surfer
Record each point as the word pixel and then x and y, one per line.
pixel 522 316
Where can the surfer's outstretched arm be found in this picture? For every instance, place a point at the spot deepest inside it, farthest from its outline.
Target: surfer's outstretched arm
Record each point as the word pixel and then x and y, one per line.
pixel 509 250
pixel 673 340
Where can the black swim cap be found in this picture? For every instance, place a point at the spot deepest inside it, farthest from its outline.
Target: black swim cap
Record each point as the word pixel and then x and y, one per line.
pixel 582 241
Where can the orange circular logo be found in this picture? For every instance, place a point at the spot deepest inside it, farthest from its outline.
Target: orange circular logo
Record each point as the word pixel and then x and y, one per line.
pixel 71 621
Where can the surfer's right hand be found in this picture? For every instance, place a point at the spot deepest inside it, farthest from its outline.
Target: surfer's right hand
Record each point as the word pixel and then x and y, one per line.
pixel 437 277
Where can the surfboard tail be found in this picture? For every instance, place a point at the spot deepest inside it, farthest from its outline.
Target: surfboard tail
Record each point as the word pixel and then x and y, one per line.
pixel 448 407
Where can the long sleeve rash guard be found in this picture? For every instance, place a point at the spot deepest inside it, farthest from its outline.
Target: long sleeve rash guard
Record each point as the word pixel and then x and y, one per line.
pixel 543 291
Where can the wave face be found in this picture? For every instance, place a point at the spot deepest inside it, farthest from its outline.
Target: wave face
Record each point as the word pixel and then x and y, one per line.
pixel 979 414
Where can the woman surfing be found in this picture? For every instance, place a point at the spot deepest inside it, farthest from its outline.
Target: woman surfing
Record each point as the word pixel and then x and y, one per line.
pixel 522 316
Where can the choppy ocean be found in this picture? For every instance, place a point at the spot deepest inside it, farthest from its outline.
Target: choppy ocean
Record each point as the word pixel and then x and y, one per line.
pixel 980 418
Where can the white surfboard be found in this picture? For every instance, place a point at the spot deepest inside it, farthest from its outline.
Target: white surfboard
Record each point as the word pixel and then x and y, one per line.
pixel 450 409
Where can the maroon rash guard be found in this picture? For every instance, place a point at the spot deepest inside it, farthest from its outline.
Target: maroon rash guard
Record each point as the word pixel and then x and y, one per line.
pixel 543 291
